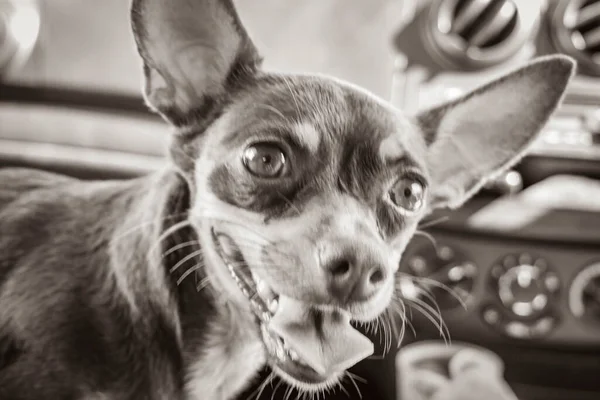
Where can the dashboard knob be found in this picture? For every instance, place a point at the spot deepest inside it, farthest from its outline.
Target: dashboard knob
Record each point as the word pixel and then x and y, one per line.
pixel 524 285
pixel 446 273
pixel 584 294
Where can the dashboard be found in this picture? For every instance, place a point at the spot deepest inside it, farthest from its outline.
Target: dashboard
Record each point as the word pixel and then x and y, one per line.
pixel 517 269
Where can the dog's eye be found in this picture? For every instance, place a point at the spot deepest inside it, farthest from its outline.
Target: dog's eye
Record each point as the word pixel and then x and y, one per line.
pixel 265 160
pixel 408 194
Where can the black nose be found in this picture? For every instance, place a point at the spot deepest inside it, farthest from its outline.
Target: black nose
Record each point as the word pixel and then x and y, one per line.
pixel 352 276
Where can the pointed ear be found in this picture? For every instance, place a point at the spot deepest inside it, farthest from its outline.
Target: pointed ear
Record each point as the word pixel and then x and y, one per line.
pixel 196 53
pixel 475 138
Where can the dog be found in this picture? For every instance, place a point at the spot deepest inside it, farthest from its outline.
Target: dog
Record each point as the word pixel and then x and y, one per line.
pixel 278 224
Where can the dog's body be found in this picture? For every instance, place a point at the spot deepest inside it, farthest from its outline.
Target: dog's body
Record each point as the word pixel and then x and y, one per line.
pixel 86 313
pixel 294 193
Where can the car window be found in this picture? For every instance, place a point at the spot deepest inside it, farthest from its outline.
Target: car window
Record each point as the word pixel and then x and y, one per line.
pixel 88 44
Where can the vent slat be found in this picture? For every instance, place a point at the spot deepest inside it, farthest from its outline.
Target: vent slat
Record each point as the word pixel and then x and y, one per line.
pixel 483 23
pixel 588 15
pixel 468 14
pixel 592 39
pixel 497 23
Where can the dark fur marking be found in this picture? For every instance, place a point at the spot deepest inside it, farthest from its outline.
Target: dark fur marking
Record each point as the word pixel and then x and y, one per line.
pixel 10 349
pixel 356 170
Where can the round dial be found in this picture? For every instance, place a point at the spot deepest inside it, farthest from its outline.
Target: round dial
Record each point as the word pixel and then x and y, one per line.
pixel 446 273
pixel 584 294
pixel 524 284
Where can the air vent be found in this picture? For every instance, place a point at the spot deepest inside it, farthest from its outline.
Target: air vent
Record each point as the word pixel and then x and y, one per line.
pixel 474 34
pixel 575 30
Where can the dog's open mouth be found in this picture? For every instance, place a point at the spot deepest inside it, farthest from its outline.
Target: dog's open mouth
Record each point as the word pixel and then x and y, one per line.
pixel 307 346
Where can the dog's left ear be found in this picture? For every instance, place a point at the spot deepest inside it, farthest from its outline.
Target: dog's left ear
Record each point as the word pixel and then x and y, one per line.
pixel 473 139
pixel 196 53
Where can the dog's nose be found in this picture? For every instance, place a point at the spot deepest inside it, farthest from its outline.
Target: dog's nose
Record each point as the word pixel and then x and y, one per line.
pixel 353 277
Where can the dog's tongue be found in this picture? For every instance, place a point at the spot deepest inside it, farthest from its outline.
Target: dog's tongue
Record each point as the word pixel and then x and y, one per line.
pixel 324 340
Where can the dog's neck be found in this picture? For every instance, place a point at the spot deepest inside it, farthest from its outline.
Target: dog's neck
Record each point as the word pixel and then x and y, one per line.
pixel 219 342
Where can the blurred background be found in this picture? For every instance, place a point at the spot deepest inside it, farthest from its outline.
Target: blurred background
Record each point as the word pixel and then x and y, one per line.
pixel 521 260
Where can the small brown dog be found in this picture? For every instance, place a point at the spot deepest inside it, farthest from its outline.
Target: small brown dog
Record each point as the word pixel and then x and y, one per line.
pixel 281 218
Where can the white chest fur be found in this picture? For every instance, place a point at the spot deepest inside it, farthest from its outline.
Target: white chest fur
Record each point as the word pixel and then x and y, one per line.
pixel 233 354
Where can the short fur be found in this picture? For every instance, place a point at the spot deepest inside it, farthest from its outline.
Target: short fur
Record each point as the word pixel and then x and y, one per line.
pixel 114 290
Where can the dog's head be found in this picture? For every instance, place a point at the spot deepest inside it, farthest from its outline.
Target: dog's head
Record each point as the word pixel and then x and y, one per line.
pixel 307 189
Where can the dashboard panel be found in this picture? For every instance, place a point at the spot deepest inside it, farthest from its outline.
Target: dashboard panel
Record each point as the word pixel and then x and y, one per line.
pixel 517 268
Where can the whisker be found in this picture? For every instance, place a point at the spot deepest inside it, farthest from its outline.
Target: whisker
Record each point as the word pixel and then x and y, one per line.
pixel 209 214
pixel 272 109
pixel 431 298
pixel 186 259
pixel 430 313
pixel 353 381
pixel 262 387
pixel 189 272
pixel 405 321
pixel 343 389
pixel 203 284
pixel 292 93
pixel 431 319
pixel 289 203
pixel 357 377
pixel 430 238
pixel 276 389
pixel 287 393
pixel 180 246
pixel 147 223
pixel 441 286
pixel 171 230
pixel 433 222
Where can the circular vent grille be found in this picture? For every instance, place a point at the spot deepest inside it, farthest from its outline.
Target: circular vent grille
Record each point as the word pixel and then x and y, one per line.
pixel 473 34
pixel 576 31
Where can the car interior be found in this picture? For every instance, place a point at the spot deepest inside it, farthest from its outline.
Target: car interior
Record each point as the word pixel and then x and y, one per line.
pixel 515 271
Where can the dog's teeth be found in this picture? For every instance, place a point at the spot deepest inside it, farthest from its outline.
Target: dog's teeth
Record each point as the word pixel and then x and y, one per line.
pixel 245 292
pixel 266 317
pixel 280 349
pixel 273 305
pixel 293 355
pixel 258 307
pixel 264 290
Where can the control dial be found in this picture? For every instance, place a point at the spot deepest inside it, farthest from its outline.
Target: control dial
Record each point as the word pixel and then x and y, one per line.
pixel 584 294
pixel 446 273
pixel 525 287
pixel 524 284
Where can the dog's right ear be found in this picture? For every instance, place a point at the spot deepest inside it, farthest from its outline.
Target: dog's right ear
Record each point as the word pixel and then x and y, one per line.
pixel 195 54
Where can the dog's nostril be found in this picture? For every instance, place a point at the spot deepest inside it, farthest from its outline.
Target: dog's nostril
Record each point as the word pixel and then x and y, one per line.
pixel 376 276
pixel 339 267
